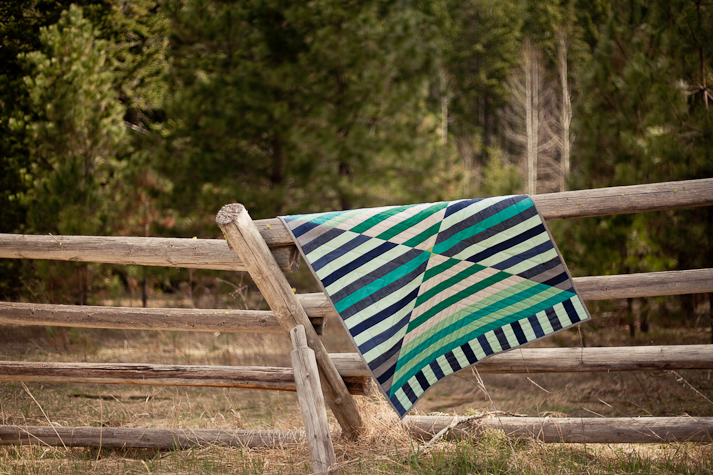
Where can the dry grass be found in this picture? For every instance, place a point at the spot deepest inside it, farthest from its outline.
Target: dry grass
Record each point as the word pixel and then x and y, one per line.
pixel 385 448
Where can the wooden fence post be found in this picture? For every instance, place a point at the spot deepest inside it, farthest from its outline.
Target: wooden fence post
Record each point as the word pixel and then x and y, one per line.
pixel 244 238
pixel 314 412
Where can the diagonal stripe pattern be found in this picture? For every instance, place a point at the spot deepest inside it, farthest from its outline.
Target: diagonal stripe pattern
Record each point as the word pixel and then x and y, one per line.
pixel 427 290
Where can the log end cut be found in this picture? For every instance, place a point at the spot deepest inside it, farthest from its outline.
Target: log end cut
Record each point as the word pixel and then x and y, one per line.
pixel 229 213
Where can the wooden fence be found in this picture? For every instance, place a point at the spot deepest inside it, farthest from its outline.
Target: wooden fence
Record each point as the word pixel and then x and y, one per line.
pixel 348 369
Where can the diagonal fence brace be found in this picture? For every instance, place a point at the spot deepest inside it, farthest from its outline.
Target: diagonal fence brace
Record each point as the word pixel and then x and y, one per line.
pixel 244 238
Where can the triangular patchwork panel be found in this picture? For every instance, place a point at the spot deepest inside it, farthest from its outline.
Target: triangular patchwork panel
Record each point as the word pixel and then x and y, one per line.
pixel 427 290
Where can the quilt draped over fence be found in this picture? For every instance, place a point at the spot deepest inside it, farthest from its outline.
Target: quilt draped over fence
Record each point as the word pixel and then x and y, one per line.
pixel 426 290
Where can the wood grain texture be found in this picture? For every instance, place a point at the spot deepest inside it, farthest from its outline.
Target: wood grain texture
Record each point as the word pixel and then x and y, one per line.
pixel 602 287
pixel 125 437
pixel 246 377
pixel 311 401
pixel 572 429
pixel 580 203
pixel 136 318
pixel 625 199
pixel 240 231
pixel 151 251
pixel 649 284
pixel 567 360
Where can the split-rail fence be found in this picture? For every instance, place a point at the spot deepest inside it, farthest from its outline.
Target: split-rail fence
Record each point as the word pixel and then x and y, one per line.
pixel 265 249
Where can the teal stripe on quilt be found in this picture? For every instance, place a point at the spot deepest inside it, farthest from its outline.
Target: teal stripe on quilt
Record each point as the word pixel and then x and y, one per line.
pixel 423 236
pixel 378 218
pixel 493 220
pixel 450 281
pixel 412 221
pixel 392 276
pixel 425 351
pixel 521 294
pixel 454 298
pixel 345 215
pixel 365 269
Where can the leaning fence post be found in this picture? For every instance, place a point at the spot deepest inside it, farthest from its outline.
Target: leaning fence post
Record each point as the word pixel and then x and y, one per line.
pixel 244 238
pixel 314 412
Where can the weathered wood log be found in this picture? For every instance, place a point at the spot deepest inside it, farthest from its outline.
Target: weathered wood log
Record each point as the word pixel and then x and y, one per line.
pixel 625 199
pixel 580 203
pixel 355 373
pixel 125 437
pixel 245 377
pixel 144 251
pixel 311 400
pixel 649 284
pixel 571 360
pixel 136 318
pixel 238 228
pixel 316 306
pixel 213 253
pixel 572 429
pixel 645 284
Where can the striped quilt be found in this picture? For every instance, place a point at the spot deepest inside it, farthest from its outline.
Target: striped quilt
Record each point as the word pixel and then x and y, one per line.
pixel 426 290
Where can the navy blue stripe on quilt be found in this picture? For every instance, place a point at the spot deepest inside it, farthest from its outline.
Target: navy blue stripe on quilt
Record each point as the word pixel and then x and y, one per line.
pixel 502 339
pixel 436 368
pixel 529 254
pixel 505 245
pixel 385 335
pixel 519 333
pixel 457 206
pixel 322 239
pixel 453 361
pixel 406 388
pixel 304 228
pixel 571 312
pixel 536 327
pixel 376 363
pixel 358 240
pixel 477 217
pixel 377 273
pixel 357 263
pixel 469 354
pixel 485 345
pixel 558 279
pixel 541 268
pixel 397 404
pixel 381 293
pixel 422 380
pixel 493 230
pixel 553 318
pixel 382 315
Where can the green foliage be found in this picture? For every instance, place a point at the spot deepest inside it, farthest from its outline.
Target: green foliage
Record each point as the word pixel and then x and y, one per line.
pixel 645 120
pixel 293 106
pixel 480 41
pixel 74 128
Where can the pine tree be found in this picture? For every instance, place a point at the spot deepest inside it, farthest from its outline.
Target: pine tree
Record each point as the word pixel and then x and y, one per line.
pixel 292 106
pixel 645 120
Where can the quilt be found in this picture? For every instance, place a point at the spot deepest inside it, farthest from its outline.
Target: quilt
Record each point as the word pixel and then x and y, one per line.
pixel 429 289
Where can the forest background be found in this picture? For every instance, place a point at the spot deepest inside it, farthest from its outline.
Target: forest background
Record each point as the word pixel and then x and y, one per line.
pixel 144 117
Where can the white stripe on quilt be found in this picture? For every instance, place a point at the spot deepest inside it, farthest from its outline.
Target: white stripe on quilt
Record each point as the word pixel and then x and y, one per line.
pixel 365 269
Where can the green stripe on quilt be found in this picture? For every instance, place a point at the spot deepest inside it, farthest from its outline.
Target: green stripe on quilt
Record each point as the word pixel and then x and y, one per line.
pixel 412 221
pixel 489 222
pixel 417 353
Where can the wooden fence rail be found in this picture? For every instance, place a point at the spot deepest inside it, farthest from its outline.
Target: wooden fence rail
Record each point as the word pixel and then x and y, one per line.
pixel 316 306
pixel 572 429
pixel 245 377
pixel 143 251
pixel 137 318
pixel 355 373
pixel 215 254
pixel 566 430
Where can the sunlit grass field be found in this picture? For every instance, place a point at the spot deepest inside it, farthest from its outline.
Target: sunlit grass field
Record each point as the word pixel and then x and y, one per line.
pixel 386 447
